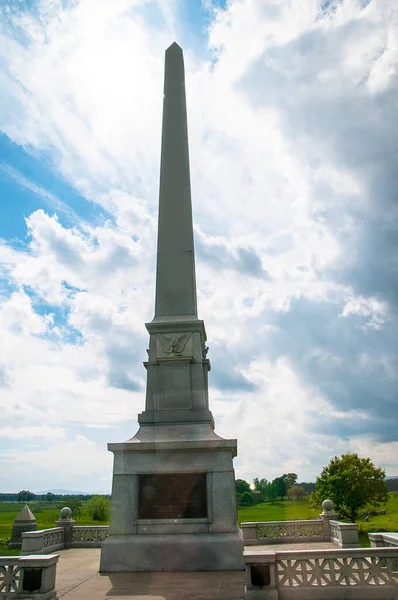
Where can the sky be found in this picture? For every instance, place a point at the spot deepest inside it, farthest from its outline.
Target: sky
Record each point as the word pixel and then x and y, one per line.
pixel 292 112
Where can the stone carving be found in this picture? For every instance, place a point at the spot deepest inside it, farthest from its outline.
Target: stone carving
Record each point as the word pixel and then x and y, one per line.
pixel 10 578
pixel 334 530
pixel 89 536
pixel 174 344
pixel 290 529
pixel 54 537
pixel 346 571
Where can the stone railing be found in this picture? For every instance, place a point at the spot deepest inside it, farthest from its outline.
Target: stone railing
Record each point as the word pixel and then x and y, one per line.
pixel 89 537
pixel 270 532
pixel 26 577
pixel 43 541
pixel 46 541
pixel 355 574
pixel 383 540
pixel 345 535
pixel 324 529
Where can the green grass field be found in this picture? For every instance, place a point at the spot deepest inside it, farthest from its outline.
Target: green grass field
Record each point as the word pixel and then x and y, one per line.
pixel 289 511
pixel 46 515
pixel 279 511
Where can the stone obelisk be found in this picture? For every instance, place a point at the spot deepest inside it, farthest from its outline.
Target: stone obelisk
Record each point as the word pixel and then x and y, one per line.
pixel 173 493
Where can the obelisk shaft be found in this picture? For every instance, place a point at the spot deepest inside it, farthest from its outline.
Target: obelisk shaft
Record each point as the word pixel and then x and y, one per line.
pixel 175 274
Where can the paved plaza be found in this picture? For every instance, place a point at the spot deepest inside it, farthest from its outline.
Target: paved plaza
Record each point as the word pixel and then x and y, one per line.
pixel 78 579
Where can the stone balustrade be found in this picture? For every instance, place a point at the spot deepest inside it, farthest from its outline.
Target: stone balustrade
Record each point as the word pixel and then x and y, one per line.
pixel 28 577
pixel 272 532
pixel 352 574
pixel 345 535
pixel 89 537
pixel 324 529
pixel 46 541
pixel 383 540
pixel 43 541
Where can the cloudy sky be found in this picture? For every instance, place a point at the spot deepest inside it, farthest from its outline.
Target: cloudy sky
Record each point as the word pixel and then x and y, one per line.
pixel 294 160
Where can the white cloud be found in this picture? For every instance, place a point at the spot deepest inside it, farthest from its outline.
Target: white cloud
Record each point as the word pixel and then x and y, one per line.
pixel 278 210
pixel 72 464
pixel 29 434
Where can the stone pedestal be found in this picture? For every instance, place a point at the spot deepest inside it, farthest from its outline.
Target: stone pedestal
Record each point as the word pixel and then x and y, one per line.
pixel 67 523
pixel 25 521
pixel 173 503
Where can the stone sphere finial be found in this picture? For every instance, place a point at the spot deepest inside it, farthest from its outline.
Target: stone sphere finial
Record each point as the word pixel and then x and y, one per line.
pixel 66 513
pixel 327 506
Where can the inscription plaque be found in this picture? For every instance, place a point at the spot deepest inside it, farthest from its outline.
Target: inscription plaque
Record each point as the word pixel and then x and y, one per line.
pixel 172 496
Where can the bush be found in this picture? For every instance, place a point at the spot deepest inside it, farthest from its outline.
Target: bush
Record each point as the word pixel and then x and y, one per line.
pixel 99 508
pixel 73 503
pixel 366 528
pixel 246 499
pixel 5 541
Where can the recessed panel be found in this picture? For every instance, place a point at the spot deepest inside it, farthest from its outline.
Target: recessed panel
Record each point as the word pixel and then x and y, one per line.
pixel 172 496
pixel 176 386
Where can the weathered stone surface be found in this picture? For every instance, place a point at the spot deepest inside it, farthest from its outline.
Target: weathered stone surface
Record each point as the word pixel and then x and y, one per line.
pixel 175 275
pixel 171 552
pixel 196 529
pixel 25 521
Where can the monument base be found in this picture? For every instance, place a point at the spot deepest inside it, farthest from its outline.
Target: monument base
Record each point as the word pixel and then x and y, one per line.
pixel 173 502
pixel 181 552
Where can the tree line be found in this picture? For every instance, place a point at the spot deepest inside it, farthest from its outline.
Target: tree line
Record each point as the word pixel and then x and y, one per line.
pixel 354 484
pixel 27 496
pixel 263 490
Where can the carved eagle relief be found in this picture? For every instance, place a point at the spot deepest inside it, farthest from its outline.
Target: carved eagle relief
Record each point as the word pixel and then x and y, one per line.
pixel 174 344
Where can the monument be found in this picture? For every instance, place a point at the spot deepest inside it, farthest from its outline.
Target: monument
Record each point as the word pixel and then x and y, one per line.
pixel 173 491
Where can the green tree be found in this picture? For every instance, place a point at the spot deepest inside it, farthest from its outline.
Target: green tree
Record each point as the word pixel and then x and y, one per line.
pixel 290 479
pixel 243 491
pixel 295 492
pixel 50 497
pixel 246 499
pixel 280 486
pixel 352 483
pixel 25 496
pixel 242 486
pixel 271 492
pixel 315 501
pixel 72 502
pixel 99 508
pixel 260 485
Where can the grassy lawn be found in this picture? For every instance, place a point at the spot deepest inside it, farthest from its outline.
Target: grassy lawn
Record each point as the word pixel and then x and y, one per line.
pixel 279 511
pixel 289 511
pixel 46 515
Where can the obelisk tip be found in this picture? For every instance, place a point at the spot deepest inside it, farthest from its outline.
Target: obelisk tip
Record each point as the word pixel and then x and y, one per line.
pixel 174 46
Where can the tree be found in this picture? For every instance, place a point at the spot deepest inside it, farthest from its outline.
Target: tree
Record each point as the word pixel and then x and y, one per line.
pixel 25 496
pixel 290 479
pixel 246 499
pixel 260 485
pixel 271 492
pixel 295 492
pixel 50 497
pixel 241 486
pixel 99 508
pixel 243 491
pixel 73 503
pixel 352 483
pixel 279 484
